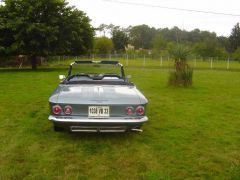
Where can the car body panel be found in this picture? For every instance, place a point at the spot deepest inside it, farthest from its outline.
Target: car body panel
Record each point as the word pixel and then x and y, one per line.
pixel 100 94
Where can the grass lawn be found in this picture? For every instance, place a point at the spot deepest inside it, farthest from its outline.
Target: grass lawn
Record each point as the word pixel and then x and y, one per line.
pixel 192 133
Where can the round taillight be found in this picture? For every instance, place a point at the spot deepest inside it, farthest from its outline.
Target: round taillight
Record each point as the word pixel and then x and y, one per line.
pixel 129 111
pixel 68 110
pixel 56 109
pixel 140 110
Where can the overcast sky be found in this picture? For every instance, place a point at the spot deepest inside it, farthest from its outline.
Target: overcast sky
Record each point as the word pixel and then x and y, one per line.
pixel 104 11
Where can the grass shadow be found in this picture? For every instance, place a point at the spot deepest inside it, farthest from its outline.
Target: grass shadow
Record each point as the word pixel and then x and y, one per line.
pixel 99 136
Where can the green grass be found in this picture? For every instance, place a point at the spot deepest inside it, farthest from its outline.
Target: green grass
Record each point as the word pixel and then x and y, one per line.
pixel 192 133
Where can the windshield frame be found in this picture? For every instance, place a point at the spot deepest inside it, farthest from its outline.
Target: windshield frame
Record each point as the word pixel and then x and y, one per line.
pixel 124 81
pixel 116 63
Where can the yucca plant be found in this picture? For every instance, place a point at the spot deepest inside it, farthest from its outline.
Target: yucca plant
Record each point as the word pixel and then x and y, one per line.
pixel 182 73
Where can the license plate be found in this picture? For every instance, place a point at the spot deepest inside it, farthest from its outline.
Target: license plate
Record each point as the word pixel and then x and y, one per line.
pixel 98 111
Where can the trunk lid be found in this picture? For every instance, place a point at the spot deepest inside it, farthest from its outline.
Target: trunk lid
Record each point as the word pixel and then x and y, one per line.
pixel 98 94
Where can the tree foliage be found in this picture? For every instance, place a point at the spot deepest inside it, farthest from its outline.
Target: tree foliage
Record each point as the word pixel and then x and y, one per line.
pixel 142 36
pixel 201 43
pixel 235 38
pixel 159 43
pixel 102 45
pixel 236 54
pixel 43 27
pixel 120 39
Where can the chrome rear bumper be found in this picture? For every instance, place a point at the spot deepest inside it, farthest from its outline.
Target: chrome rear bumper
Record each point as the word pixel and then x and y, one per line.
pixel 97 120
pixel 77 124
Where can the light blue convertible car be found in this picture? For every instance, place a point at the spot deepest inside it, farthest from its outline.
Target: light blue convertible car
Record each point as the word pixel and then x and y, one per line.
pixel 96 101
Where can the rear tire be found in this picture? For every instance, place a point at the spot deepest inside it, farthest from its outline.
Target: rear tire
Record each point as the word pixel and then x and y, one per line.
pixel 57 128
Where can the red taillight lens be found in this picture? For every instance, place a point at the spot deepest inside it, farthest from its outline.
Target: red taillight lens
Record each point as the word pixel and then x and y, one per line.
pixel 129 111
pixel 56 109
pixel 140 110
pixel 68 110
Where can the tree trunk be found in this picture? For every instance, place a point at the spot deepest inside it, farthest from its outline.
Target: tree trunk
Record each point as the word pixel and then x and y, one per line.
pixel 34 62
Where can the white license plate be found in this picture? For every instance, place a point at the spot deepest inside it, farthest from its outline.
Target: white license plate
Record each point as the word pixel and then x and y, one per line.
pixel 98 111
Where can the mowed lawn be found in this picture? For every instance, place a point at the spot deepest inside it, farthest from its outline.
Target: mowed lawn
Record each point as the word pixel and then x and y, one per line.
pixel 192 133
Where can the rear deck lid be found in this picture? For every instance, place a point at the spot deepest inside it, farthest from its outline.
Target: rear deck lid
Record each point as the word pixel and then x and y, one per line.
pixel 98 94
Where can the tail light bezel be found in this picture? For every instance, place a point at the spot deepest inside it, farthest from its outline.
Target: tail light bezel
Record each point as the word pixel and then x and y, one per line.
pixel 56 112
pixel 141 112
pixel 68 107
pixel 127 111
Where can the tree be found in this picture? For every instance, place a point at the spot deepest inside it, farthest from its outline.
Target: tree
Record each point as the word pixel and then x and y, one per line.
pixel 141 36
pixel 206 49
pixel 224 43
pixel 102 28
pixel 159 43
pixel 236 54
pixel 103 45
pixel 44 27
pixel 234 38
pixel 120 39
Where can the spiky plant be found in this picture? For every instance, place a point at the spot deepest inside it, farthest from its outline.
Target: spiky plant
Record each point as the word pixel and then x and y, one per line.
pixel 182 73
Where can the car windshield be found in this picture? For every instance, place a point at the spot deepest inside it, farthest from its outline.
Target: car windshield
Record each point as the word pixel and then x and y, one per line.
pixel 95 73
pixel 93 69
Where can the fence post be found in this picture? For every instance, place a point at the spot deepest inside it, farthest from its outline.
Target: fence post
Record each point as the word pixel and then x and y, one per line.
pixel 161 61
pixel 211 63
pixel 228 63
pixel 144 59
pixel 127 60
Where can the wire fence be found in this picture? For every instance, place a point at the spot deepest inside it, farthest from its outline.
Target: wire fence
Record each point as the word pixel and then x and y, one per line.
pixel 131 60
pixel 135 60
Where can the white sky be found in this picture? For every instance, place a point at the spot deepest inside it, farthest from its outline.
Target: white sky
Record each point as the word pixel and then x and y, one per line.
pixel 101 11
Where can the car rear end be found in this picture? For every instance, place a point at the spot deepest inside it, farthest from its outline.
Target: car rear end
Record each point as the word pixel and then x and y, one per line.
pixel 98 117
pixel 97 102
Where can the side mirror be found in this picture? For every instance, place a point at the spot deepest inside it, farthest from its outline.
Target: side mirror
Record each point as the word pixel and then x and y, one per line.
pixel 61 77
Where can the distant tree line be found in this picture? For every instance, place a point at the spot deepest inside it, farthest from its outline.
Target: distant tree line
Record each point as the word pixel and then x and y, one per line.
pixel 145 39
pixel 51 27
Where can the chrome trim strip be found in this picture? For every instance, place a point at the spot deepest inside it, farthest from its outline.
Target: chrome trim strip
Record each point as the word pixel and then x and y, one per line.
pixel 89 120
pixel 84 130
pixel 137 130
pixel 111 130
pixel 97 129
